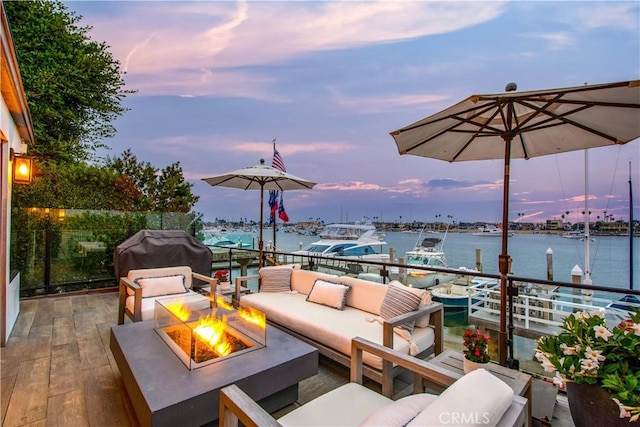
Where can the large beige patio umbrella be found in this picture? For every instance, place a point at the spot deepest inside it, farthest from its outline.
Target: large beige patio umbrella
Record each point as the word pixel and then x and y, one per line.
pixel 524 125
pixel 260 177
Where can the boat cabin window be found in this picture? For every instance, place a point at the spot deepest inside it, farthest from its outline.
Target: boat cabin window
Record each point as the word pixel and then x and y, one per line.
pixel 418 260
pixel 360 251
pixel 316 248
pixel 340 248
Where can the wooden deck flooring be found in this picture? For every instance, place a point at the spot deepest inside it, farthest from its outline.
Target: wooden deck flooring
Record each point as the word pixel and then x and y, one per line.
pixel 57 368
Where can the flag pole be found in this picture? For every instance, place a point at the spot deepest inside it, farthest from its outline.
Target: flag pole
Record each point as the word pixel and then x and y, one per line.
pixel 275 218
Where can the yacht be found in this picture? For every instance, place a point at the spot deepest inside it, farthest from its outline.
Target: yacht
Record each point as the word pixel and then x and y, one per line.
pixel 576 234
pixel 490 232
pixel 356 241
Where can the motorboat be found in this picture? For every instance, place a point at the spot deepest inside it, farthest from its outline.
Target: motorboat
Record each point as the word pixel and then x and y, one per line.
pixel 428 252
pixel 490 232
pixel 354 241
pixel 455 295
pixel 216 240
pixel 576 234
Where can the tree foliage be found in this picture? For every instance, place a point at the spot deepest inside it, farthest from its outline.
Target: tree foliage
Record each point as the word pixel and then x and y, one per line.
pixel 73 84
pixel 74 88
pixel 123 184
pixel 158 190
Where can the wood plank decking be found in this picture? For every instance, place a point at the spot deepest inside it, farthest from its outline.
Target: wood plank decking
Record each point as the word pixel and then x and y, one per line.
pixel 57 368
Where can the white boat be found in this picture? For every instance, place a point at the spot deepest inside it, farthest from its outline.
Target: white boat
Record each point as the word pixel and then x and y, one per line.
pixel 354 241
pixel 217 240
pixel 575 234
pixel 428 252
pixel 455 295
pixel 490 232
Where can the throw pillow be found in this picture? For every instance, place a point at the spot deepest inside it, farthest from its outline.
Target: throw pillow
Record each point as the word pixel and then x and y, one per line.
pixel 328 293
pixel 276 278
pixel 400 412
pixel 479 398
pixel 399 299
pixel 163 285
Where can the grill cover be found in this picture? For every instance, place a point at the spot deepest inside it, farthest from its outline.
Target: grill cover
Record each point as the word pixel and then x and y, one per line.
pixel 161 248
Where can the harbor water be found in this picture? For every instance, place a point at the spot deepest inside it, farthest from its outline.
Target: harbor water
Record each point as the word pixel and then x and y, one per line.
pixel 609 260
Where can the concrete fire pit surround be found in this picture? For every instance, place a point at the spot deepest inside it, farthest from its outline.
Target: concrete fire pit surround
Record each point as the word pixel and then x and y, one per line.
pixel 164 392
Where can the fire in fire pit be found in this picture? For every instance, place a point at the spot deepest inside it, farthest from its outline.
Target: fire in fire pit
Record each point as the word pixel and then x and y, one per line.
pixel 200 335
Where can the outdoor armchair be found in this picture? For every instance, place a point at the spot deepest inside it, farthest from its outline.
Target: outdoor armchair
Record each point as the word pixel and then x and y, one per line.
pixel 141 288
pixel 478 398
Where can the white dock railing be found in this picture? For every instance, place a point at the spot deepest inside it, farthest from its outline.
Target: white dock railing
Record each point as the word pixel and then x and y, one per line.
pixel 535 306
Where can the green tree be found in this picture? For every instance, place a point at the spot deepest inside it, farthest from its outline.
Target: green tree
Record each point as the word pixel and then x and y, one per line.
pixel 73 85
pixel 159 190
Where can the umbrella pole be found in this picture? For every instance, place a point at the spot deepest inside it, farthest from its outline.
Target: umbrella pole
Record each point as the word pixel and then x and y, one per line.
pixel 506 290
pixel 260 239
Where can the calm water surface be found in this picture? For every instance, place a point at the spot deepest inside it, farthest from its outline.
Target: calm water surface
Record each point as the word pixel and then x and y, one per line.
pixel 609 258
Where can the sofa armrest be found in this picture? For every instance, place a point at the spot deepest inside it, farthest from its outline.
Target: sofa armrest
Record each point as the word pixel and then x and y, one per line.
pixel 213 285
pixel 236 405
pixel 125 285
pixel 238 285
pixel 421 370
pixel 436 320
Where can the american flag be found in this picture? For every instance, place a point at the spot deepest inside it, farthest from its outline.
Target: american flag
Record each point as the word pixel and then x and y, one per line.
pixel 277 161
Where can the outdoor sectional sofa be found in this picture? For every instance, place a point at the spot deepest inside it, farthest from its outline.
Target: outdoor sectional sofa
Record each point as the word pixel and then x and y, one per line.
pixel 328 311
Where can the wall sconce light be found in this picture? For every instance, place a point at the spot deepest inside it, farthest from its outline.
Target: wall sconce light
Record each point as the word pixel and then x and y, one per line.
pixel 22 168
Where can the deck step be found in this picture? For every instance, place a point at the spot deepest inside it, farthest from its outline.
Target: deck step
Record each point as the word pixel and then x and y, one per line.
pixel 544 401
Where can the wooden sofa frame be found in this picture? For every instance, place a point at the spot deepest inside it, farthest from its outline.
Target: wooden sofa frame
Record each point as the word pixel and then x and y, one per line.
pixel 389 370
pixel 236 406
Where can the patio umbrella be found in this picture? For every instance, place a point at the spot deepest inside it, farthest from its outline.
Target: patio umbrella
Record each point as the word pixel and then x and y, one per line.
pixel 260 177
pixel 524 125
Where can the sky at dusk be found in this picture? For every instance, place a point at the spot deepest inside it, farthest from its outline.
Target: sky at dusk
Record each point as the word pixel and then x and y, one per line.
pixel 218 81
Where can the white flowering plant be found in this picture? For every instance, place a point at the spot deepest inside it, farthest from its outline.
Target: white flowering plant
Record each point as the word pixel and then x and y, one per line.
pixel 586 351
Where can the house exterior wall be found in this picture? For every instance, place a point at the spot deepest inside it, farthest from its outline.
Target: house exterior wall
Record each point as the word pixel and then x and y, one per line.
pixel 16 131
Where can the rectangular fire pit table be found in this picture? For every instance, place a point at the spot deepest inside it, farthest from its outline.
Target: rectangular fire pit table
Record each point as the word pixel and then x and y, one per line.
pixel 165 393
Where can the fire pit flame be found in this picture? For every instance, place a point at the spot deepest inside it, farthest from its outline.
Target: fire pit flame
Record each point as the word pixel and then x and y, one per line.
pixel 199 334
pixel 180 311
pixel 211 330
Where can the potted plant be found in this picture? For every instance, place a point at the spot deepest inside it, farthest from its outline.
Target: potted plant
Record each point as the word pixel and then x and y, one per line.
pixel 476 351
pixel 587 357
pixel 223 279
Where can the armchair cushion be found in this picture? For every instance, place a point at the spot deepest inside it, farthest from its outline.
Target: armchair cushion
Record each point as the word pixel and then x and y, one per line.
pixel 348 405
pixel 276 278
pixel 400 299
pixel 400 412
pixel 478 398
pixel 331 294
pixel 164 285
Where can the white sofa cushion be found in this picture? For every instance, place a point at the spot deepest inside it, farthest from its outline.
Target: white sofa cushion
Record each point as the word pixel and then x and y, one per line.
pixel 333 328
pixel 276 278
pixel 162 271
pixel 364 294
pixel 347 405
pixel 478 398
pixel 302 280
pixel 164 285
pixel 331 294
pixel 399 299
pixel 400 412
pixel 148 304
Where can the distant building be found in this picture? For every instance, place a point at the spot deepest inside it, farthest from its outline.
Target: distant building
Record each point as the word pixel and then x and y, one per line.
pixel 554 224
